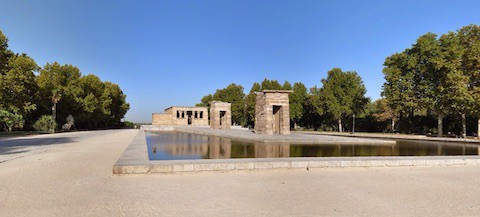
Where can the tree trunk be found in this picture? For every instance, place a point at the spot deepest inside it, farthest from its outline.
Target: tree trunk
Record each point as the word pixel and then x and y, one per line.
pixel 393 125
pixel 340 125
pixel 478 128
pixel 464 126
pixel 440 125
pixel 411 120
pixel 294 125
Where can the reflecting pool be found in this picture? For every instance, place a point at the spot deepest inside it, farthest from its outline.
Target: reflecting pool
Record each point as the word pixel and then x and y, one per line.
pixel 181 146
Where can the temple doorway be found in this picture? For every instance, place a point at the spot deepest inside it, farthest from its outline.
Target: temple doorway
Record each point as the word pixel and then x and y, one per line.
pixel 277 116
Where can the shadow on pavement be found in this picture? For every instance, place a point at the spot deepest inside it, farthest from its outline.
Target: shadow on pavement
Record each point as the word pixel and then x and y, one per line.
pixel 16 146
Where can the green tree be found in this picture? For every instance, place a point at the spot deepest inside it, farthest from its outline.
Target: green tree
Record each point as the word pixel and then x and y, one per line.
pixel 205 101
pixel 314 109
pixel 271 85
pixel 297 102
pixel 94 103
pixel 5 53
pixel 250 101
pixel 45 123
pixel 428 58
pixel 11 120
pixel 460 98
pixel 383 112
pixel 399 88
pixel 29 96
pixel 469 39
pixel 457 92
pixel 63 79
pixel 287 86
pixel 343 94
pixel 93 114
pixel 114 104
pixel 233 94
pixel 18 89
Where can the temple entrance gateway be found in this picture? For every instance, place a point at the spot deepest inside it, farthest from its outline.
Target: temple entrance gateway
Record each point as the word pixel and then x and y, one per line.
pixel 223 119
pixel 272 112
pixel 220 115
pixel 277 122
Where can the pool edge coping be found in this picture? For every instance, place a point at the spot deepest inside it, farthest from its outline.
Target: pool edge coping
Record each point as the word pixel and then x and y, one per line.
pixel 134 160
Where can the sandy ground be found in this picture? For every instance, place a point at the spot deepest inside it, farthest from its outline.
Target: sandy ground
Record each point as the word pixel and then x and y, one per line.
pixel 75 179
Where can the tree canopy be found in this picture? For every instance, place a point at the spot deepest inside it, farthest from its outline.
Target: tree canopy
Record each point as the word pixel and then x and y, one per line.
pixel 27 96
pixel 233 94
pixel 343 94
pixel 437 74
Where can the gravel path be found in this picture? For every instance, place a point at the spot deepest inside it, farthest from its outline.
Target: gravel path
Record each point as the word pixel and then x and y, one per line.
pixel 75 179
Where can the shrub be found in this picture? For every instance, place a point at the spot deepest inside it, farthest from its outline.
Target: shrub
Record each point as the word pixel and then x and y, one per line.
pixel 128 125
pixel 11 120
pixel 45 123
pixel 69 124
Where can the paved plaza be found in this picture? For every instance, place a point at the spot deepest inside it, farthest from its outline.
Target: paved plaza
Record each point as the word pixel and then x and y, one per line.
pixel 70 174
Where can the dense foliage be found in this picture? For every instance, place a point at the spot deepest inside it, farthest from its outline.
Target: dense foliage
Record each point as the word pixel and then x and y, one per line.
pixel 45 124
pixel 28 92
pixel 437 76
pixel 308 109
pixel 10 120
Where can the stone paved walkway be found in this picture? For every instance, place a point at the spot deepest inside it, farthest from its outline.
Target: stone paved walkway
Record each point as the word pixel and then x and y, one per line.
pixel 75 179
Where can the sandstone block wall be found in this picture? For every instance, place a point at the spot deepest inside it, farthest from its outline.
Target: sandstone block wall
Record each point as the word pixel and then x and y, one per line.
pixel 161 119
pixel 220 115
pixel 182 115
pixel 272 112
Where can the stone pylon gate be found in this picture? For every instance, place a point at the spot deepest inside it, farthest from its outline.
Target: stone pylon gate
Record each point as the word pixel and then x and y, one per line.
pixel 220 115
pixel 272 112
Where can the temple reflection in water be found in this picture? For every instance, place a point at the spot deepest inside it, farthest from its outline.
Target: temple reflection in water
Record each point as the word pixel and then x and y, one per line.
pixel 175 145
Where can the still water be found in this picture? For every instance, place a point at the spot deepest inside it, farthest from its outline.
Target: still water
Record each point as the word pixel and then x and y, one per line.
pixel 181 146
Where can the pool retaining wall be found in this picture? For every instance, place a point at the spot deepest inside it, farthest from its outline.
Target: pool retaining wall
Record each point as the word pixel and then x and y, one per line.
pixel 135 161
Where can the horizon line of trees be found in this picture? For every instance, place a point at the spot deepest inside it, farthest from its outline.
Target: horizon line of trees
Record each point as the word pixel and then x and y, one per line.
pixel 342 94
pixel 429 88
pixel 28 92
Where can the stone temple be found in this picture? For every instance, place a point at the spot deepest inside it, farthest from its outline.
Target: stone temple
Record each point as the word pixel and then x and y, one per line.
pixel 272 112
pixel 182 115
pixel 220 115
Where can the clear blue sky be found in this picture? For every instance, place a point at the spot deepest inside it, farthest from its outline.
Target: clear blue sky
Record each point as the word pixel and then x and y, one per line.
pixel 165 53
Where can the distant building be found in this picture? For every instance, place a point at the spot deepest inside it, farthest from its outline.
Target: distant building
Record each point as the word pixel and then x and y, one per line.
pixel 182 115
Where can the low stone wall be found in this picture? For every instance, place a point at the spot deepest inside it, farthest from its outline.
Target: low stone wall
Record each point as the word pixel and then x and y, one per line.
pixel 158 127
pixel 291 163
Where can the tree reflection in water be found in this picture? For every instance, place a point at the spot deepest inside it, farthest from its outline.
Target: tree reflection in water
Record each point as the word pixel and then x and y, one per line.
pixel 175 145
